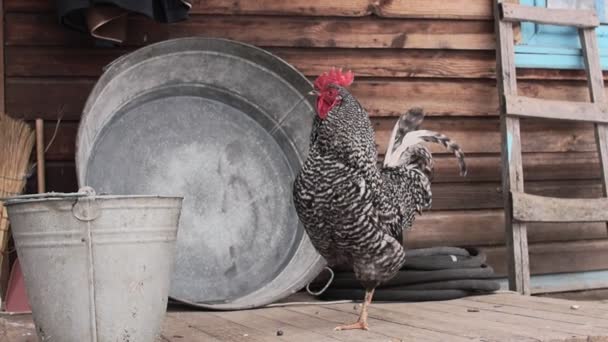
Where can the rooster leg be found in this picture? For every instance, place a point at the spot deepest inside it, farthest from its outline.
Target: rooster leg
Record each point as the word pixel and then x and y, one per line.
pixel 362 322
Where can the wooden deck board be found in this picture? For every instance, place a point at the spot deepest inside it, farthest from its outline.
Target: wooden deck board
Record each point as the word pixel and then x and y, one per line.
pixel 334 318
pixel 308 321
pixel 498 317
pixel 480 311
pixel 452 325
pixel 175 329
pixel 270 327
pixel 550 305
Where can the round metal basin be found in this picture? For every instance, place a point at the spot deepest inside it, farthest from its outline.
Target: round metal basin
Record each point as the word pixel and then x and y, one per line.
pixel 226 126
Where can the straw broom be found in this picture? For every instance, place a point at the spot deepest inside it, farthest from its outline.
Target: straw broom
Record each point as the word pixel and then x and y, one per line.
pixel 16 143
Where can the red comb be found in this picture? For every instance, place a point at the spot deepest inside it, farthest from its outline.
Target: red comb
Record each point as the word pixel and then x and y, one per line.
pixel 334 76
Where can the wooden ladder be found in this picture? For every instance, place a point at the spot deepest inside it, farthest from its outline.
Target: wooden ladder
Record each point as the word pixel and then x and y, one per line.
pixel 521 208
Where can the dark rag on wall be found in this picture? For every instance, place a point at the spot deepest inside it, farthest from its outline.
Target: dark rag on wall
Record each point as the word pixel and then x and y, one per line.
pixel 107 19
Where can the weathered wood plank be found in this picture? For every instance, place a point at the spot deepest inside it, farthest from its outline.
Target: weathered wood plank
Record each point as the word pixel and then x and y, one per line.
pixel 408 321
pixel 565 17
pixel 379 62
pixel 446 196
pixel 435 63
pixel 428 319
pixel 545 328
pixel 549 305
pixel 488 195
pixel 481 168
pixel 555 257
pixel 473 135
pixel 457 9
pixel 47 98
pixel 220 328
pixel 310 320
pixel 486 227
pixel 43 29
pixel 460 228
pixel 454 98
pixel 355 8
pixel 560 321
pixel 597 295
pixel 344 313
pixel 527 317
pixel 591 308
pixel 537 166
pixel 531 208
pixel 552 74
pixel 333 318
pixel 554 109
pixel 394 63
pixel 27 97
pixel 516 234
pixel 593 70
pixel 175 330
pixel 59 61
pixel 28 5
pixel 270 326
pixel 394 98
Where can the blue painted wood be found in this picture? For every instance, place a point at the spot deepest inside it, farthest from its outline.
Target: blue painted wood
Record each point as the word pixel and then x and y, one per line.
pixel 547 283
pixel 542 60
pixel 556 47
pixel 555 50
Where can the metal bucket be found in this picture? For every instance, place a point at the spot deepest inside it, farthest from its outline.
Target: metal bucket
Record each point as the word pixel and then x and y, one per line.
pixel 225 125
pixel 96 268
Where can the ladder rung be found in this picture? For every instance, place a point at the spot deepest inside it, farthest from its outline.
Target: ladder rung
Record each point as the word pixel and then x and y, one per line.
pixel 554 109
pixel 532 208
pixel 565 17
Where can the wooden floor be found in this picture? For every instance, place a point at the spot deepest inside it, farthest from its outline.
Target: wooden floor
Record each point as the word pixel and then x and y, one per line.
pixel 499 317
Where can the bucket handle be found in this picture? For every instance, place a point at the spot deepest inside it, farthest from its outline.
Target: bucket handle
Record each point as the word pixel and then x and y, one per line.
pixel 86 208
pixel 82 192
pixel 46 195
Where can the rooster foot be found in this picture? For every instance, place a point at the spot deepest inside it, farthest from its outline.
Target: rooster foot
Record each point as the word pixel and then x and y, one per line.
pixel 357 325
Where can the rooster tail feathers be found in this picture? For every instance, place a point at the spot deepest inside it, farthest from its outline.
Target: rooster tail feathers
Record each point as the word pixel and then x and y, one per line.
pixel 401 155
pixel 449 145
pixel 405 144
pixel 408 122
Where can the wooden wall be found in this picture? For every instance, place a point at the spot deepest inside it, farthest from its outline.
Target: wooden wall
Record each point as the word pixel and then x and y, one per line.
pixel 431 53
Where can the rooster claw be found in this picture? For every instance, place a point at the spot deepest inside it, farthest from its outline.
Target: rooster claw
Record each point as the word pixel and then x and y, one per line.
pixel 354 326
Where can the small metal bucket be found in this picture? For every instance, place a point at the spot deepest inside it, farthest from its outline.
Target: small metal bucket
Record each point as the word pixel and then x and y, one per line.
pixel 96 268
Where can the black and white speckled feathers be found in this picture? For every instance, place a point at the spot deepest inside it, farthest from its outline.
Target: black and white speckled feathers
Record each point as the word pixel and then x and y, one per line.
pixel 353 211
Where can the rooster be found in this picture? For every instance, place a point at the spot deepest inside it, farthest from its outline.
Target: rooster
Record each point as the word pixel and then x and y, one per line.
pixel 354 211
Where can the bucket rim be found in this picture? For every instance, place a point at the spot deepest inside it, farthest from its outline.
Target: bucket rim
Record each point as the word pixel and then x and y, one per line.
pixel 62 196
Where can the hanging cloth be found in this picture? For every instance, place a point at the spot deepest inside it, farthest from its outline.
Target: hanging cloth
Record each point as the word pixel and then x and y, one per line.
pixel 107 19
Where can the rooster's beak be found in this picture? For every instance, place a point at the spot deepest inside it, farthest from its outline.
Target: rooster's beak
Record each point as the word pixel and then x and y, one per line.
pixel 313 93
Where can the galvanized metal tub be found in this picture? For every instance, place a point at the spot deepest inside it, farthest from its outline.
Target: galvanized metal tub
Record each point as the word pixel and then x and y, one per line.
pixel 227 126
pixel 96 268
